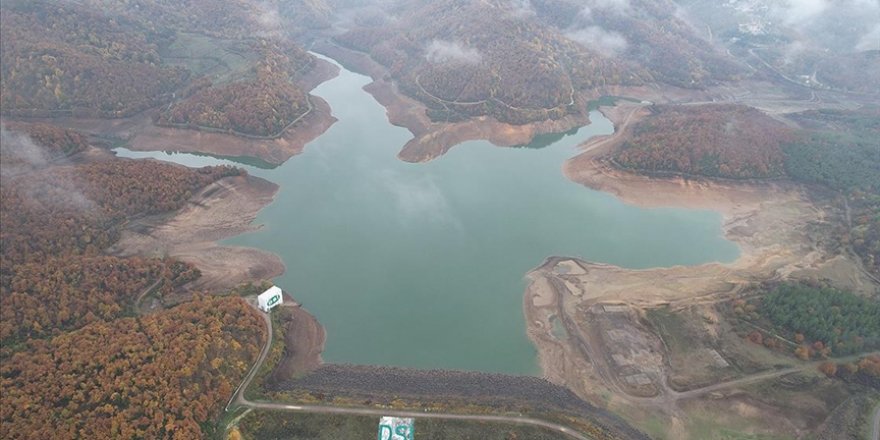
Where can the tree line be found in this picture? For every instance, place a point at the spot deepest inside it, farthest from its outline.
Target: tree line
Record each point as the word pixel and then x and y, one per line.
pixel 836 149
pixel 821 317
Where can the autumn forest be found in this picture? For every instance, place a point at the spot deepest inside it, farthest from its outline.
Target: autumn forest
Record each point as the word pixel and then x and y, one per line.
pixel 69 326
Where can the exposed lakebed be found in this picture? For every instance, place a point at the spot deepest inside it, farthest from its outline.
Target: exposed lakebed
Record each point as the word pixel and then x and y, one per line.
pixel 422 265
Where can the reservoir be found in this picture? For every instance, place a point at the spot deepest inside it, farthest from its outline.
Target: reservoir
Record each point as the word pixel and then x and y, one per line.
pixel 423 265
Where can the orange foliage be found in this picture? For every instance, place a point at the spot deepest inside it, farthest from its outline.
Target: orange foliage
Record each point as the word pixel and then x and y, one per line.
pixel 710 140
pixel 62 294
pixel 61 57
pixel 102 374
pixel 148 377
pixel 803 352
pixel 77 209
pixel 828 368
pixel 870 365
pixel 56 141
pixel 520 70
pixel 261 106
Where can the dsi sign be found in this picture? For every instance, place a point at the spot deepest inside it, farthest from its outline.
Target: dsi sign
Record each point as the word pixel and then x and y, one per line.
pixel 393 428
pixel 269 298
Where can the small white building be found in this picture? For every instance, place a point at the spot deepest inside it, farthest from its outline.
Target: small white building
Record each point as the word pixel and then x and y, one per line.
pixel 395 428
pixel 270 298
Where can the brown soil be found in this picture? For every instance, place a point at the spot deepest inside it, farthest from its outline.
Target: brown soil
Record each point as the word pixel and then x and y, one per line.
pixel 771 222
pixel 221 210
pixel 433 139
pixel 303 343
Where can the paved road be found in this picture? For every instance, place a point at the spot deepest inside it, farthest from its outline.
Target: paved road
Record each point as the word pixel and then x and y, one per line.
pixel 420 415
pixel 875 433
pixel 238 395
pixel 240 400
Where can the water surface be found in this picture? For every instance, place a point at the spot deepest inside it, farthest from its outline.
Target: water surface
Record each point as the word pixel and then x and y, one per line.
pixel 422 265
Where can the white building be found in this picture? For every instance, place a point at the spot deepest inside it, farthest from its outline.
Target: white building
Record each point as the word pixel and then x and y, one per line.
pixel 394 428
pixel 270 298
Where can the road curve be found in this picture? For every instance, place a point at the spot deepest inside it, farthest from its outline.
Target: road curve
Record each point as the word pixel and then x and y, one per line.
pixel 758 377
pixel 415 414
pixel 238 395
pixel 239 399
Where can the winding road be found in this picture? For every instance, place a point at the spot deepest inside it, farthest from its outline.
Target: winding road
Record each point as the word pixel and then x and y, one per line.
pixel 875 433
pixel 239 399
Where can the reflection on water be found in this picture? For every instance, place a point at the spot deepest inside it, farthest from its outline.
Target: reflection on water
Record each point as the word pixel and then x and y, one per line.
pixel 422 265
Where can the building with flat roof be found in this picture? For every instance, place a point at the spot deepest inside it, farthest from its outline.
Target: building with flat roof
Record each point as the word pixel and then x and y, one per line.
pixel 270 298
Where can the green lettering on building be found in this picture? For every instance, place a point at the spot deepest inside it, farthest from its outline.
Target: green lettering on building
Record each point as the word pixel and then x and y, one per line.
pixel 273 300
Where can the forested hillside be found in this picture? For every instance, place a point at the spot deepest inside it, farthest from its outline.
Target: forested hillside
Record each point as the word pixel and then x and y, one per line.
pixel 834 148
pixel 61 294
pixel 525 61
pixel 841 151
pixel 260 106
pixel 59 59
pixel 72 210
pixel 730 141
pixel 54 143
pixel 158 376
pixel 465 59
pixel 824 317
pixel 110 59
pixel 648 33
pixel 76 359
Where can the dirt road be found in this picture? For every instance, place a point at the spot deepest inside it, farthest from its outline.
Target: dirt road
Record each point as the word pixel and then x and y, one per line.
pixel 239 399
pixel 145 292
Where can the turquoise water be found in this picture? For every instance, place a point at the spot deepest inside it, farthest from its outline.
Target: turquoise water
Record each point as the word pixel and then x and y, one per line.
pixel 422 265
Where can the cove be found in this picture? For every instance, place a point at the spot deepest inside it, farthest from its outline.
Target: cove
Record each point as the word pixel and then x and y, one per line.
pixel 422 265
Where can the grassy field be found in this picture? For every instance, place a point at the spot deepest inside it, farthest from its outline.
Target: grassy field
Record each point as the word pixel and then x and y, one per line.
pixel 288 426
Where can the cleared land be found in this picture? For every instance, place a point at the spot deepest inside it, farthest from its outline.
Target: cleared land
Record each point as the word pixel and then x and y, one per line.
pixel 651 343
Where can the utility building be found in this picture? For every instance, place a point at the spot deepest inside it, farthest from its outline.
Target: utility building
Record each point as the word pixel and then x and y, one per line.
pixel 394 428
pixel 270 298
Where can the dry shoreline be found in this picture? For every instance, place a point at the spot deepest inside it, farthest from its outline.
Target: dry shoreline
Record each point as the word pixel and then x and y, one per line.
pixel 304 339
pixel 274 151
pixel 432 139
pixel 770 222
pixel 223 209
pixel 141 134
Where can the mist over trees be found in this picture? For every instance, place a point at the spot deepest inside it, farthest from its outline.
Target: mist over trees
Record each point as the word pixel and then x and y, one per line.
pixel 76 360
